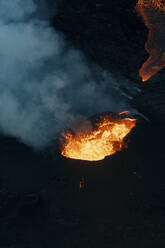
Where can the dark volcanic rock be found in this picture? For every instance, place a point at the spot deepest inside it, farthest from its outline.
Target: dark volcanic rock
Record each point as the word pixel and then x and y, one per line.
pixel 108 32
pixel 111 34
pixel 123 201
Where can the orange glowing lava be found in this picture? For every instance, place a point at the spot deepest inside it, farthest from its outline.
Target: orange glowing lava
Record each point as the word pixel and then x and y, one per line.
pixel 153 14
pixel 104 139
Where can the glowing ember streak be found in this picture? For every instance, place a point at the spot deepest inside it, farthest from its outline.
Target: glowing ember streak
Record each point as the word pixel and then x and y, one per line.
pixel 124 112
pixel 153 14
pixel 104 140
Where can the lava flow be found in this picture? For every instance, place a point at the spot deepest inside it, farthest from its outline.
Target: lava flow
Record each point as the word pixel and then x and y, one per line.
pixel 153 14
pixel 105 138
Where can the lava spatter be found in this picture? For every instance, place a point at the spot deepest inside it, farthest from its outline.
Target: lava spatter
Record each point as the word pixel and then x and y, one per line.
pixel 104 139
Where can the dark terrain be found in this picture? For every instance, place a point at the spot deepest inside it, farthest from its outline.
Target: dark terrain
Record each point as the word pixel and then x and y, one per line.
pixel 122 201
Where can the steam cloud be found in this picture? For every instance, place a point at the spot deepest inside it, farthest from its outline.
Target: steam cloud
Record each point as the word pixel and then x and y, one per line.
pixel 44 84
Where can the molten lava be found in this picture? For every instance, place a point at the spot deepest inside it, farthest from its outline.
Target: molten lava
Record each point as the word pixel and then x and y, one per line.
pixel 104 139
pixel 153 14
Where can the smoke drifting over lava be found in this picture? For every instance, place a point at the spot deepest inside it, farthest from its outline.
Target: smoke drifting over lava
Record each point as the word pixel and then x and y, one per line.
pixel 44 84
pixel 153 14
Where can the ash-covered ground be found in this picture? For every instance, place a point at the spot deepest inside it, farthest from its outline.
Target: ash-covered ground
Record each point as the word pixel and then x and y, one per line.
pixel 122 200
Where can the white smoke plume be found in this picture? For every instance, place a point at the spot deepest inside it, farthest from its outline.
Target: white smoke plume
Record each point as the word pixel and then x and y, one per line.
pixel 44 85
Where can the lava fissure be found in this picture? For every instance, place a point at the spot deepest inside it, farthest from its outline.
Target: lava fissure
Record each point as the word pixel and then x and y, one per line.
pixel 153 15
